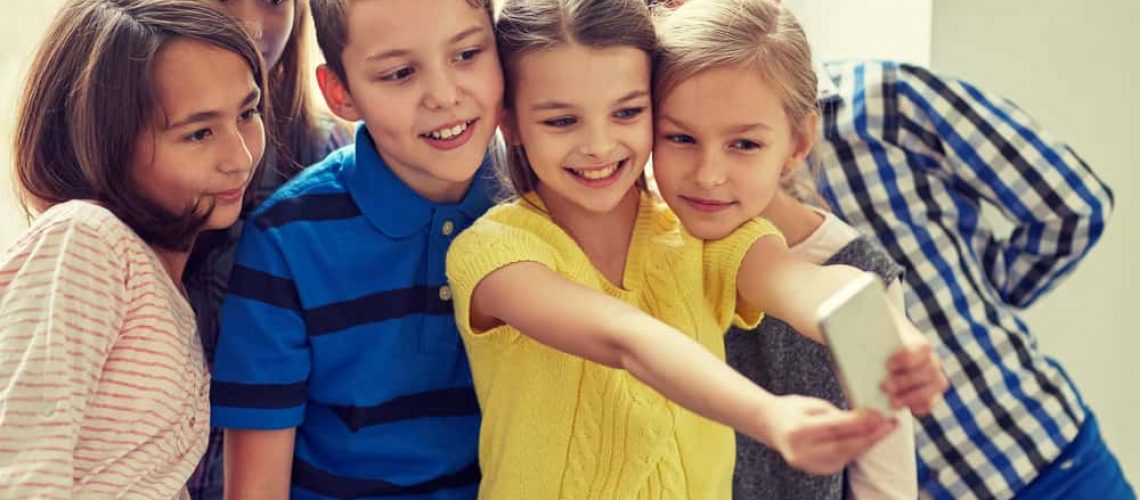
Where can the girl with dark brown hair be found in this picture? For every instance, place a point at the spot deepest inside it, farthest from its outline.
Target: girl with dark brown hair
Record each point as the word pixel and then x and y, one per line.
pixel 140 127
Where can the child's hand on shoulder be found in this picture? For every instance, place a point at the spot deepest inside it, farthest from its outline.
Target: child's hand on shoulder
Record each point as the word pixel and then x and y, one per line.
pixel 816 437
pixel 915 379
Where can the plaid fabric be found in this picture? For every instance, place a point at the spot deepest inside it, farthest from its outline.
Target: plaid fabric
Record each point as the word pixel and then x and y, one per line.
pixel 912 158
pixel 207 275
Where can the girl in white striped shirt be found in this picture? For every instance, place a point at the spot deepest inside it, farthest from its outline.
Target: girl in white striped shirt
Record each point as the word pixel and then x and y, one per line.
pixel 140 125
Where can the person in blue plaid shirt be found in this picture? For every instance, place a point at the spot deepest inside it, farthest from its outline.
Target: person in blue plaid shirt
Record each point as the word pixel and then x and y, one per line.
pixel 911 157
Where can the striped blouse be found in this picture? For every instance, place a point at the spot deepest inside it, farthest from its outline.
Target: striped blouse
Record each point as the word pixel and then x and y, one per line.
pixel 103 386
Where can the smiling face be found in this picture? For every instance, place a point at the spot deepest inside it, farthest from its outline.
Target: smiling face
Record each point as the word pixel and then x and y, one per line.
pixel 583 117
pixel 206 138
pixel 425 78
pixel 722 141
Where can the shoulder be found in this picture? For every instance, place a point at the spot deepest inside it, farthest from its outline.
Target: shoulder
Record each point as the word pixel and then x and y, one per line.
pixel 86 223
pixel 319 187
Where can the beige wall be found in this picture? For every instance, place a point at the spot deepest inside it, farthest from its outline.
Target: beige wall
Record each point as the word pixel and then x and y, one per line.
pixel 1074 66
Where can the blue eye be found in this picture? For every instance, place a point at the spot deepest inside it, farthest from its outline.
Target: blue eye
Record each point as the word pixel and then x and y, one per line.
pixel 564 121
pixel 745 145
pixel 468 55
pixel 628 113
pixel 680 139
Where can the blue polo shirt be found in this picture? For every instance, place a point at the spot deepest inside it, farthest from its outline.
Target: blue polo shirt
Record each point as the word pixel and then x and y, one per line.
pixel 338 321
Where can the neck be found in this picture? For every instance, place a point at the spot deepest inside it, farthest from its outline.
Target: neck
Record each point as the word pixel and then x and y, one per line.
pixel 796 220
pixel 603 236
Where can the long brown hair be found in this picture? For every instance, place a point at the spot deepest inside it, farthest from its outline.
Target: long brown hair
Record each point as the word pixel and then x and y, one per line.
pixel 294 123
pixel 89 96
pixel 524 26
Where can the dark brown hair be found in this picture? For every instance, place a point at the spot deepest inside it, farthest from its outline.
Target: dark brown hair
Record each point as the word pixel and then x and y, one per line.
pixel 331 19
pixel 294 123
pixel 89 97
pixel 525 26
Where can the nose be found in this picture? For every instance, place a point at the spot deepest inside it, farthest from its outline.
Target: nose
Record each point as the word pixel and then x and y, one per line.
pixel 237 156
pixel 441 91
pixel 598 142
pixel 709 173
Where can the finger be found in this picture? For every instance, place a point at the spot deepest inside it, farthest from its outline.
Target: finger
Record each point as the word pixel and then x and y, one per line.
pixel 920 401
pixel 849 448
pixel 904 381
pixel 839 425
pixel 910 358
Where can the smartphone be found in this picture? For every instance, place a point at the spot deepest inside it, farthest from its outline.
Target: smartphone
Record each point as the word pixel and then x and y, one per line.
pixel 861 334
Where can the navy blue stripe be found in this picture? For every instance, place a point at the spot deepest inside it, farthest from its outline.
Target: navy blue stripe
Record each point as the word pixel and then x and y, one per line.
pixel 374 308
pixel 259 396
pixel 454 402
pixel 264 287
pixel 307 476
pixel 313 207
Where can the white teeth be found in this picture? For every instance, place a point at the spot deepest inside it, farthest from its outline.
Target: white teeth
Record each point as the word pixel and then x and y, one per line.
pixel 448 133
pixel 599 173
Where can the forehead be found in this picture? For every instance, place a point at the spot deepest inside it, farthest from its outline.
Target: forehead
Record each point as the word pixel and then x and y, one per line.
pixel 574 73
pixel 191 76
pixel 736 94
pixel 382 25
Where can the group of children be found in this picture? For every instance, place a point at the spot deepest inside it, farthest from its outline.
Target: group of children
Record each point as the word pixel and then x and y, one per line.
pixel 376 327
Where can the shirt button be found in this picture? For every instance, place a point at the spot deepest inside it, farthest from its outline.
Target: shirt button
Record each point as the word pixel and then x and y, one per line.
pixel 445 293
pixel 448 228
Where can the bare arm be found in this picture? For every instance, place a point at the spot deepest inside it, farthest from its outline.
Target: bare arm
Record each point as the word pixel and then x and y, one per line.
pixel 586 323
pixel 258 464
pixel 792 289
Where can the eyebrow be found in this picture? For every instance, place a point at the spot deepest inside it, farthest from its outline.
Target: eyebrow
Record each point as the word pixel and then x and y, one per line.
pixel 394 53
pixel 736 129
pixel 204 116
pixel 553 105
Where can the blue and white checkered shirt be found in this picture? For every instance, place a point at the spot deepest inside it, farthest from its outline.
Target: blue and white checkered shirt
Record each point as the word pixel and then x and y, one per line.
pixel 911 158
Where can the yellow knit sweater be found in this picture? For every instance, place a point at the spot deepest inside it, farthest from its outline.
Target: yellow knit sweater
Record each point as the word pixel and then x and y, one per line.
pixel 558 427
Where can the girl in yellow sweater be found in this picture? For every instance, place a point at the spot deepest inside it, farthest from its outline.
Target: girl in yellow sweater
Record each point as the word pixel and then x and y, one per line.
pixel 584 394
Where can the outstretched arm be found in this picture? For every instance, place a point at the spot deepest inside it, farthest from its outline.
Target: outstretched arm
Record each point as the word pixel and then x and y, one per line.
pixel 811 434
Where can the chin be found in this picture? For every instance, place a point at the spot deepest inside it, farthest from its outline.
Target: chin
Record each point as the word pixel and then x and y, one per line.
pixel 704 229
pixel 221 219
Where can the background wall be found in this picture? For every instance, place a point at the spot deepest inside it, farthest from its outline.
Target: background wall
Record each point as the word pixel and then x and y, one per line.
pixel 1067 63
pixel 1073 66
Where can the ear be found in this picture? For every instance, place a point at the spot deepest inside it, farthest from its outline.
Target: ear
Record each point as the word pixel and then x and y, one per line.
pixel 803 142
pixel 336 94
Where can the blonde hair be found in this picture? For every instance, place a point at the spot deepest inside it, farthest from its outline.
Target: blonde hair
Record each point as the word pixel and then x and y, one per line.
pixel 524 26
pixel 762 35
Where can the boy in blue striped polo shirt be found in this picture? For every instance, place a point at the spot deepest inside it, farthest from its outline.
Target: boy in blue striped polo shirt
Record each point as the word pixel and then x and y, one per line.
pixel 339 372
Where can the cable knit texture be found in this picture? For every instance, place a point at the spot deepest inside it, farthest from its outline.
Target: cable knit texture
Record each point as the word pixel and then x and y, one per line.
pixel 558 427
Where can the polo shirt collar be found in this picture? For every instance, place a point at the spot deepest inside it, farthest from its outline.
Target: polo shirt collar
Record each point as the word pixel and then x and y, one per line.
pixel 395 208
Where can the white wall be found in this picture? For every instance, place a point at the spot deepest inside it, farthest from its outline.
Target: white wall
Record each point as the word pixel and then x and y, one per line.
pixel 879 29
pixel 22 25
pixel 1073 66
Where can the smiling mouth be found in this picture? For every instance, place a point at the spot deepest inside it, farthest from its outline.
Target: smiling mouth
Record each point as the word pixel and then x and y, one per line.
pixel 449 133
pixel 598 173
